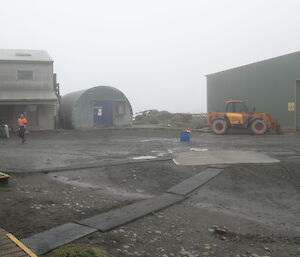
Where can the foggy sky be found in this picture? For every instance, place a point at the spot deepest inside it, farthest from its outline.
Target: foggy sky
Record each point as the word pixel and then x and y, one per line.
pixel 156 51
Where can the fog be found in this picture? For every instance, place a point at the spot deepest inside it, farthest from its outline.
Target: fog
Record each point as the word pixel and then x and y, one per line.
pixel 157 52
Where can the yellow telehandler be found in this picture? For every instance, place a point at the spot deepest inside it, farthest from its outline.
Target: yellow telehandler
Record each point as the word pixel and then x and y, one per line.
pixel 237 116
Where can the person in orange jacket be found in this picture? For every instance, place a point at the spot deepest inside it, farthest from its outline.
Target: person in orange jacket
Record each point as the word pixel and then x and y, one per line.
pixel 22 127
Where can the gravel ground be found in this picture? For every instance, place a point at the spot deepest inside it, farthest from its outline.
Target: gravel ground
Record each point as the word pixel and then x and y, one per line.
pixel 248 210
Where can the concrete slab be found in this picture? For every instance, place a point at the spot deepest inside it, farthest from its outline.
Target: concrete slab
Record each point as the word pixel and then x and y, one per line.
pixel 48 240
pixel 192 183
pixel 117 217
pixel 221 157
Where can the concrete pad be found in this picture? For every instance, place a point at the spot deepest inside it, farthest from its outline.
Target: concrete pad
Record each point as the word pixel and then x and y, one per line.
pixel 48 240
pixel 221 157
pixel 192 183
pixel 117 217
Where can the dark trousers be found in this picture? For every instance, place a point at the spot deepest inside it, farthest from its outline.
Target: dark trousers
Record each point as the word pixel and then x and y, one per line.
pixel 22 132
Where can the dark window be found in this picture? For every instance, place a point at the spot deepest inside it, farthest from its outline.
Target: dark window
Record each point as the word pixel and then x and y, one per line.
pixel 25 75
pixel 23 54
pixel 230 107
pixel 236 107
pixel 121 108
pixel 240 107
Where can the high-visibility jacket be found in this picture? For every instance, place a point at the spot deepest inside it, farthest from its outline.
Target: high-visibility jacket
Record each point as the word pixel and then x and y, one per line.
pixel 22 122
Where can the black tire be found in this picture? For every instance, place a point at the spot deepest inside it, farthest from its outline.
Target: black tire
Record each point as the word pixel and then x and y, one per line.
pixel 259 127
pixel 219 126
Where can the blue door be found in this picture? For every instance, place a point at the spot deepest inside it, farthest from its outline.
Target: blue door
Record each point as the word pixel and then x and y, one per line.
pixel 103 115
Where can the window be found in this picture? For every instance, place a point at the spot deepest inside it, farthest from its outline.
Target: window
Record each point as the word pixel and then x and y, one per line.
pixel 236 107
pixel 121 108
pixel 230 107
pixel 25 75
pixel 23 54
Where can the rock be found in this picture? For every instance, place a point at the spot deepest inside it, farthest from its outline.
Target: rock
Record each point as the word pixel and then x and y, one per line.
pixel 185 253
pixel 207 246
pixel 267 248
pixel 221 230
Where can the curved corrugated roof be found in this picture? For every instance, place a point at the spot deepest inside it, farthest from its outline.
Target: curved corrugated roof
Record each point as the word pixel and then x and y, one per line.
pixel 70 99
pixel 107 93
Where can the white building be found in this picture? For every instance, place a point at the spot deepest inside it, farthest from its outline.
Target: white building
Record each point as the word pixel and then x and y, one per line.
pixel 28 85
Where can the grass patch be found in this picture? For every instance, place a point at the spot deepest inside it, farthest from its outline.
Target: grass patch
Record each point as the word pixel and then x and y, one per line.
pixel 72 250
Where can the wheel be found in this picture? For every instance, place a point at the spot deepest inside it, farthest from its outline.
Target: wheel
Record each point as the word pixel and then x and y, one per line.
pixel 219 126
pixel 259 127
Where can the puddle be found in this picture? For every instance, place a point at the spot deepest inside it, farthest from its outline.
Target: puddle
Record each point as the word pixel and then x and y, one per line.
pixel 160 153
pixel 145 157
pixel 157 139
pixel 199 149
pixel 109 190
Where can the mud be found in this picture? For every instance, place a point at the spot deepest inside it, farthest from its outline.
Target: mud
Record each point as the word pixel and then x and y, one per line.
pixel 258 203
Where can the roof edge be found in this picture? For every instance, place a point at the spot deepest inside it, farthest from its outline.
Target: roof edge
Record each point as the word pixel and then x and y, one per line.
pixel 252 63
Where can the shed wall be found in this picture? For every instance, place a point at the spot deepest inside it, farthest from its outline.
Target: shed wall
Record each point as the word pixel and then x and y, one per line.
pixel 78 107
pixel 268 86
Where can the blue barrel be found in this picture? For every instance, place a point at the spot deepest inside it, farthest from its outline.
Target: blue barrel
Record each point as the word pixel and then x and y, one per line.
pixel 185 136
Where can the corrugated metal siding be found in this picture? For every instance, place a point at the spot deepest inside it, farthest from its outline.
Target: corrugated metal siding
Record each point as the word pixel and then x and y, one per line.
pixel 78 106
pixel 268 85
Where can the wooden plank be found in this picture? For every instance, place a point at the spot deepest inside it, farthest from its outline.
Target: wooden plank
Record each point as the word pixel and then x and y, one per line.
pixel 2 232
pixel 3 177
pixel 19 254
pixel 10 244
pixel 12 247
pixel 4 241
pixel 22 246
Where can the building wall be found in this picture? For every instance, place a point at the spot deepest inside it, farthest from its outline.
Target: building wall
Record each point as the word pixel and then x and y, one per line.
pixel 41 117
pixel 268 86
pixel 82 115
pixel 46 114
pixel 40 113
pixel 42 76
pixel 77 107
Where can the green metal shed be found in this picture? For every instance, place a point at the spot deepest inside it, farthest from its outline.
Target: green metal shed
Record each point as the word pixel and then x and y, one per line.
pixel 99 106
pixel 272 86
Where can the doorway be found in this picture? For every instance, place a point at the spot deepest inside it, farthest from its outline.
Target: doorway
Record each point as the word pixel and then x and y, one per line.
pixel 298 105
pixel 103 115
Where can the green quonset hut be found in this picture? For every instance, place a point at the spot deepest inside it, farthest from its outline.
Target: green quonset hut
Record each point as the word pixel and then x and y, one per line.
pixel 100 106
pixel 272 86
